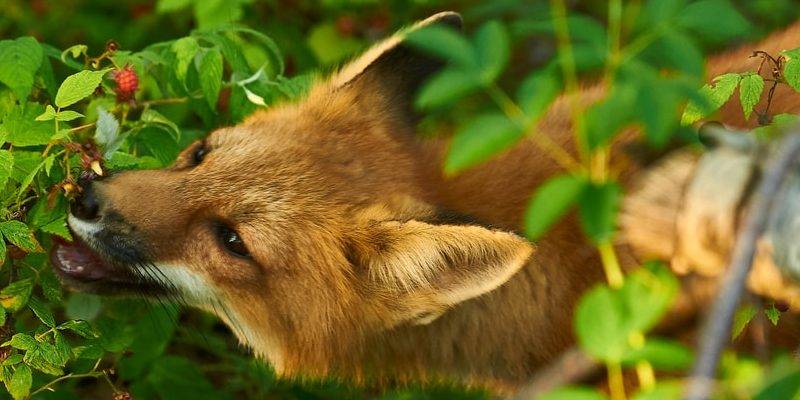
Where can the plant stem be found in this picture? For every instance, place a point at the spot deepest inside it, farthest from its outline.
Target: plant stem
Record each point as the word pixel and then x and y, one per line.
pixel 48 386
pixel 614 36
pixel 544 142
pixel 644 370
pixel 611 266
pixel 615 383
pixel 172 100
pixel 569 71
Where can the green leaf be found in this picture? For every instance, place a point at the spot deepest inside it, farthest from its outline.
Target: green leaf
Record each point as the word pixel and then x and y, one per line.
pixel 447 44
pixel 48 114
pixel 664 355
pixel 62 347
pixel 58 228
pixel 185 49
pixel 791 72
pixel 210 70
pixel 750 88
pixel 445 88
pixel 23 129
pixel 22 341
pixel 713 20
pixel 492 48
pixel 662 391
pixel 605 118
pixel 74 51
pixel 20 385
pixel 14 296
pixel 480 139
pixel 83 306
pixel 551 200
pixel 743 317
pixel 165 6
pixel 78 87
pixel 42 312
pixel 538 91
pixel 773 314
pixel 716 96
pixel 80 327
pixel 51 287
pixel 68 115
pixel 41 359
pixel 19 61
pixel 15 358
pixel 600 325
pixel 18 233
pixel 784 388
pixel 177 377
pixel 6 166
pixel 573 393
pixel 647 294
pixel 598 210
pixel 155 119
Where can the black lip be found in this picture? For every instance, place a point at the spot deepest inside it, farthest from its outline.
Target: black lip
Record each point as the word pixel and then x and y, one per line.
pixel 82 267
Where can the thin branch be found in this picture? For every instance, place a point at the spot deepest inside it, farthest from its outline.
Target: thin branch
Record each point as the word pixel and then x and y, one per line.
pixel 716 331
pixel 572 366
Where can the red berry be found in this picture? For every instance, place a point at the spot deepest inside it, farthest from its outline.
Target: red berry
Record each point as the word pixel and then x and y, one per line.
pixel 127 83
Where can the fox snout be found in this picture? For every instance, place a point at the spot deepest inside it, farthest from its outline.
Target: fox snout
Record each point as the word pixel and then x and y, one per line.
pixel 105 253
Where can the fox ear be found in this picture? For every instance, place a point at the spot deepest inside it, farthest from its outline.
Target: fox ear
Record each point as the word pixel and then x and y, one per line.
pixel 392 67
pixel 420 270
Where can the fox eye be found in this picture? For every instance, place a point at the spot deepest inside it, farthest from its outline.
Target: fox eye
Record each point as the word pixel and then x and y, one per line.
pixel 232 241
pixel 199 154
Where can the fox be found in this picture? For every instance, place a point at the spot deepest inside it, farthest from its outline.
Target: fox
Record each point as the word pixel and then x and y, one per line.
pixel 325 235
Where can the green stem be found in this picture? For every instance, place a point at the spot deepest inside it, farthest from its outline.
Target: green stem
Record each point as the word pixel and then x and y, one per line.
pixel 569 72
pixel 544 142
pixel 614 36
pixel 49 385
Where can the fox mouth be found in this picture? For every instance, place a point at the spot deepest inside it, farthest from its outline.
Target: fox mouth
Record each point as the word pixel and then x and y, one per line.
pixel 85 269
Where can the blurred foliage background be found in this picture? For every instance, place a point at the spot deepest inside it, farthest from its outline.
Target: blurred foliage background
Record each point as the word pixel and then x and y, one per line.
pixel 156 351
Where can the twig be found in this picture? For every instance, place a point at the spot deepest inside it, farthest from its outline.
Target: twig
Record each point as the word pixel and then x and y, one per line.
pixel 716 330
pixel 572 366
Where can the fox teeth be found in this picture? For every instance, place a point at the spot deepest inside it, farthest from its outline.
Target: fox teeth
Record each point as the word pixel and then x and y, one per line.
pixel 69 265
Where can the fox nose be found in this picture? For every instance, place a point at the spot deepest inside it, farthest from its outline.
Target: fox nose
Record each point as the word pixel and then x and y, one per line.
pixel 86 206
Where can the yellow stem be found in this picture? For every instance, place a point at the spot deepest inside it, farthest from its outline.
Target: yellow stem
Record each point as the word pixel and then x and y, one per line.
pixel 615 383
pixel 611 264
pixel 544 142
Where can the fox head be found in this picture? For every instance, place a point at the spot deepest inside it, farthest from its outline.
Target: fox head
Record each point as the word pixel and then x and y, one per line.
pixel 308 228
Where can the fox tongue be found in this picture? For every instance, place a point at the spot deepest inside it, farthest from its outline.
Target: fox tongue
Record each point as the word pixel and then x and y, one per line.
pixel 78 261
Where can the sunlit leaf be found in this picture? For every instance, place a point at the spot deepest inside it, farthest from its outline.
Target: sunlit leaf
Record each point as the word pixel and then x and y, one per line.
pixel 551 200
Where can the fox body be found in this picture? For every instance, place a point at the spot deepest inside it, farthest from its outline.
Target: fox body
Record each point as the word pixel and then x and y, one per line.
pixel 325 235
